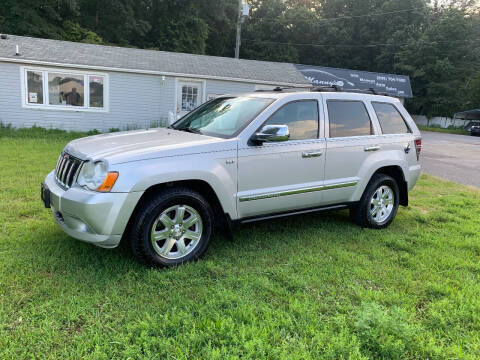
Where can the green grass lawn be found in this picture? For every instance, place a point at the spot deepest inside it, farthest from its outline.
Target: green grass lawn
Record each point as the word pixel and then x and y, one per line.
pixel 455 131
pixel 308 287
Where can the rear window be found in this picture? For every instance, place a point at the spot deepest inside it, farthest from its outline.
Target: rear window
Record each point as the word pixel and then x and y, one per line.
pixel 348 118
pixel 390 119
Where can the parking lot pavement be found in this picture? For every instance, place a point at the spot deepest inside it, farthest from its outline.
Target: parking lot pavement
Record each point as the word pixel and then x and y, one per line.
pixel 452 157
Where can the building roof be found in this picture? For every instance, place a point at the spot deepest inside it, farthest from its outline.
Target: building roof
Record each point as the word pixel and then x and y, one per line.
pixel 473 114
pixel 71 54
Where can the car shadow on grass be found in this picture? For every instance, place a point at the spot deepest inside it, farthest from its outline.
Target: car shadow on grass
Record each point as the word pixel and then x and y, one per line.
pixel 68 261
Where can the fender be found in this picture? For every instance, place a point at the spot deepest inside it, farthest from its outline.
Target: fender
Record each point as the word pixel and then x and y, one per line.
pixel 218 169
pixel 375 162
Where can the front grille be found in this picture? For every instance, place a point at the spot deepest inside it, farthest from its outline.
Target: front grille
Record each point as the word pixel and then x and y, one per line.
pixel 67 169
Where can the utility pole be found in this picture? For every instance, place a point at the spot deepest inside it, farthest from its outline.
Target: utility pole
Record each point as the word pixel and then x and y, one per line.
pixel 243 10
pixel 239 30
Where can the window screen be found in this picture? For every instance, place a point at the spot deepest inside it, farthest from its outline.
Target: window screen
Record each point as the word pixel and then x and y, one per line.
pixel 391 121
pixel 301 117
pixel 348 118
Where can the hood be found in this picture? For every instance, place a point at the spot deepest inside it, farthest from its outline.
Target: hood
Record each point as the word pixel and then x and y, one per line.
pixel 144 144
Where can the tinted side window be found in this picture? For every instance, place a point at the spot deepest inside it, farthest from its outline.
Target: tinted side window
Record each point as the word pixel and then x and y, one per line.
pixel 391 121
pixel 348 118
pixel 301 117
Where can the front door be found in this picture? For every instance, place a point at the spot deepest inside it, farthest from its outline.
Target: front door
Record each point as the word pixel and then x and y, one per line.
pixel 284 176
pixel 189 96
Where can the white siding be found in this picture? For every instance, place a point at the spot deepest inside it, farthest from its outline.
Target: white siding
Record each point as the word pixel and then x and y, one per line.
pixel 135 101
pixel 228 87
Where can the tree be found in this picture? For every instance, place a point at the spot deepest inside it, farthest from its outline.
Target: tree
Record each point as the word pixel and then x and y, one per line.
pixel 439 60
pixel 437 44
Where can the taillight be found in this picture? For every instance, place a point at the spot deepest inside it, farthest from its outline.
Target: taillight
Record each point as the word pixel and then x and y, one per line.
pixel 418 147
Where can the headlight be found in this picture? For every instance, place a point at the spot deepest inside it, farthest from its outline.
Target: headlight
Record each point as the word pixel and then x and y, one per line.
pixel 95 176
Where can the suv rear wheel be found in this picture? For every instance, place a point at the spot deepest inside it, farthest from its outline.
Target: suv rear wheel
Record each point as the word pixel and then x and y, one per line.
pixel 379 203
pixel 172 228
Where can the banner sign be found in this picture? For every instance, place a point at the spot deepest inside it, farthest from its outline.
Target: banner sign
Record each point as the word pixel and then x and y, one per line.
pixel 393 85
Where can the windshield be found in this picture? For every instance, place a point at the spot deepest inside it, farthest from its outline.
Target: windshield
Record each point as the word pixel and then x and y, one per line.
pixel 223 117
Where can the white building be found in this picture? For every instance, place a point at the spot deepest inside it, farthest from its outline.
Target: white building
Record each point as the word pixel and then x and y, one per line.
pixel 76 86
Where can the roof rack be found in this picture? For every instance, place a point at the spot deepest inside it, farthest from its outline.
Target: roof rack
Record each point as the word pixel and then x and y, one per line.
pixel 337 88
pixel 284 88
pixel 324 88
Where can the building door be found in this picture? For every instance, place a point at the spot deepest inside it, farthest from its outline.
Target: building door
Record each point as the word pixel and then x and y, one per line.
pixel 189 96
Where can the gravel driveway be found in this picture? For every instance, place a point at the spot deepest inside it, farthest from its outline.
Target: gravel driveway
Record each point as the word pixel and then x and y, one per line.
pixel 452 157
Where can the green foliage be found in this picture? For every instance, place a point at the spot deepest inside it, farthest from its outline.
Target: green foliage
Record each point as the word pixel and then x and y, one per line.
pixel 387 333
pixel 436 45
pixel 449 130
pixel 74 32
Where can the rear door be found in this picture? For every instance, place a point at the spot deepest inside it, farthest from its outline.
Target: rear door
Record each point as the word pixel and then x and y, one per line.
pixel 351 138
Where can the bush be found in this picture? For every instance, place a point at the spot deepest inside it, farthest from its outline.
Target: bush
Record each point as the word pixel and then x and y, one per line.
pixel 387 333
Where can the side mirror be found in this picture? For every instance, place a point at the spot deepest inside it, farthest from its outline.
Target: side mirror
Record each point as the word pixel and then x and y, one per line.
pixel 272 133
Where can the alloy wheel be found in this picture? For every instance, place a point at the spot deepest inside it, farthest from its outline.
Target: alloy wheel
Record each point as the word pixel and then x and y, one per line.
pixel 176 232
pixel 382 204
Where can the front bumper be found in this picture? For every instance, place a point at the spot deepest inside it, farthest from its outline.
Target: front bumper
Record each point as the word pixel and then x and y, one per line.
pixel 97 218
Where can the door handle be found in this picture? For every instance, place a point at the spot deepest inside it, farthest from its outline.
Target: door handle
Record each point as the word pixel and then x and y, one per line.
pixel 372 148
pixel 310 154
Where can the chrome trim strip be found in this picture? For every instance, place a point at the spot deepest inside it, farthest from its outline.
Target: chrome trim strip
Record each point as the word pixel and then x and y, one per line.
pixel 340 185
pixel 297 191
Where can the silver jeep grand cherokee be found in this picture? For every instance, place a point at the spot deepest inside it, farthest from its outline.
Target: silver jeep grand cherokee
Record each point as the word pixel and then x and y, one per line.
pixel 236 159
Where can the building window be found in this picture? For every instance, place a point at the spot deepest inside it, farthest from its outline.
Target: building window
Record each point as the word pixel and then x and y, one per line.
pixel 189 97
pixel 34 87
pixel 96 91
pixel 391 121
pixel 65 90
pixel 348 118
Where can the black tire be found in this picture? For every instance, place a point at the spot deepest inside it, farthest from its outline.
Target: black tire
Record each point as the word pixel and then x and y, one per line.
pixel 145 217
pixel 360 213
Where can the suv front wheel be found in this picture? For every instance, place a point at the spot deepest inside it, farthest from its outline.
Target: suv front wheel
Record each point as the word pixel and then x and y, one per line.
pixel 172 228
pixel 379 203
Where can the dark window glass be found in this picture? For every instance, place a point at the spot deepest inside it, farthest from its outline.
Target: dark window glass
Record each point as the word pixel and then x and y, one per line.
pixel 301 117
pixel 96 91
pixel 348 118
pixel 34 87
pixel 391 121
pixel 64 89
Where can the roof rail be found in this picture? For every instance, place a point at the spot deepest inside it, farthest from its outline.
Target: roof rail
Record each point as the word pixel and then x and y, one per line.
pixel 324 88
pixel 284 88
pixel 337 88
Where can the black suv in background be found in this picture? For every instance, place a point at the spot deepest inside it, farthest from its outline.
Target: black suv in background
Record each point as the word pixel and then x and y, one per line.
pixel 475 130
